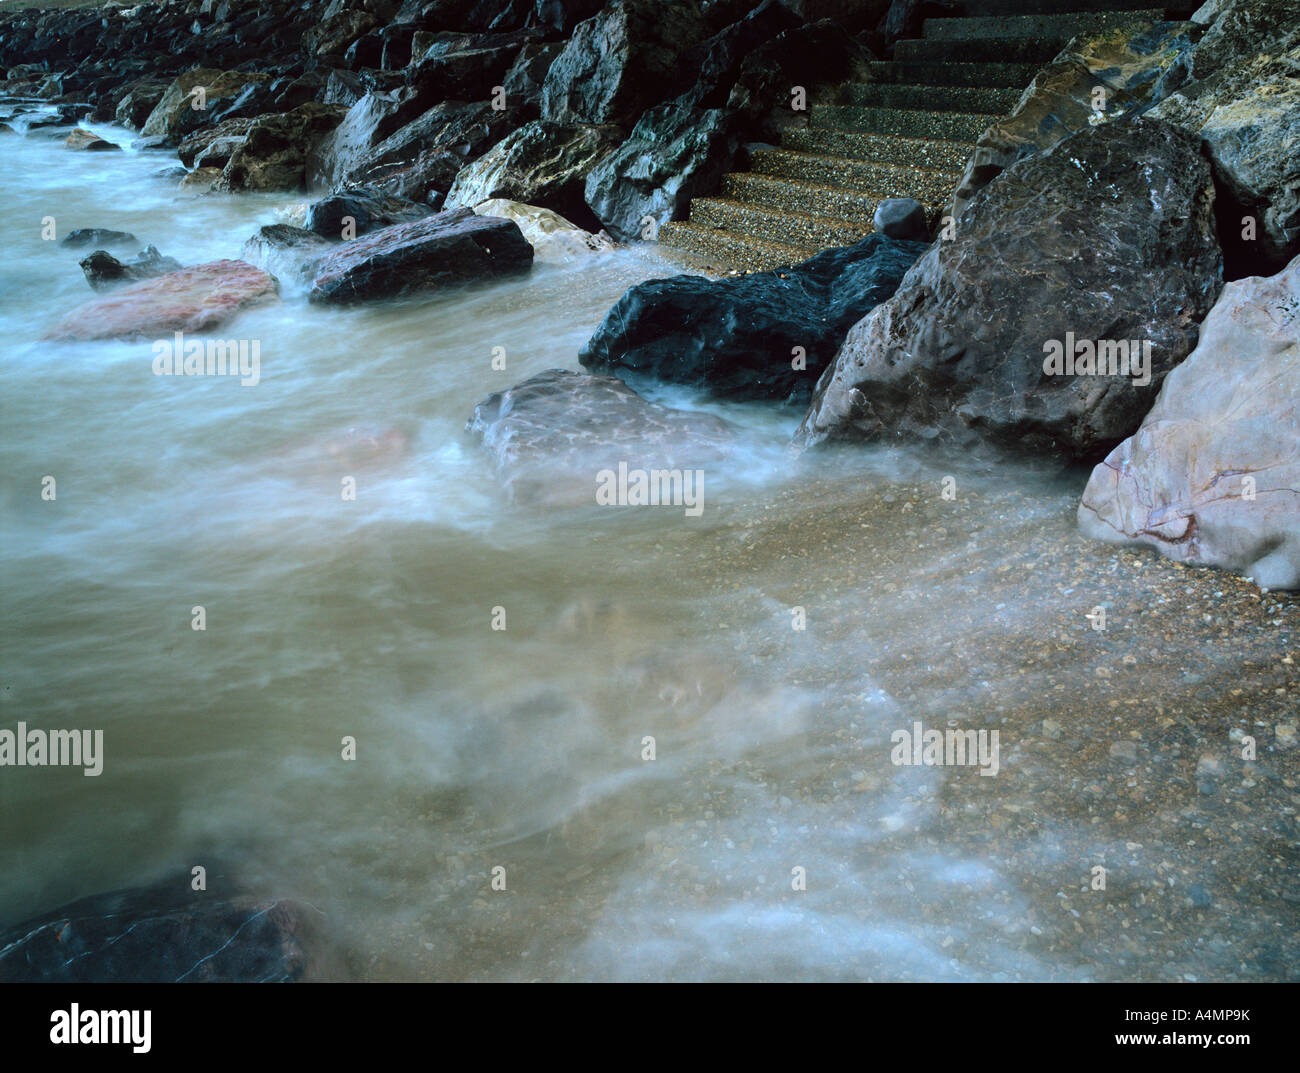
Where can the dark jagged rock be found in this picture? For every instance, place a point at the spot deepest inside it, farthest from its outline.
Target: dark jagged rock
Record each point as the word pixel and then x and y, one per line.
pixel 457 66
pixel 136 105
pixel 274 153
pixel 720 59
pixel 1076 245
pixel 367 209
pixel 164 933
pixel 103 270
pixel 542 163
pixel 674 153
pixel 553 434
pixel 430 254
pixel 523 82
pixel 96 236
pixel 333 35
pixel 212 147
pixel 739 338
pixel 366 124
pixel 621 62
pixel 175 115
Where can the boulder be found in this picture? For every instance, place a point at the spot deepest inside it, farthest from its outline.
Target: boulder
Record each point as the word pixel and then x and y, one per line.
pixel 139 102
pixel 176 114
pixel 621 62
pixel 89 141
pixel 542 163
pixel 367 210
pixel 674 153
pixel 463 67
pixel 740 338
pixel 901 217
pixel 553 434
pixel 554 240
pixel 103 270
pixel 365 125
pixel 212 147
pixel 274 152
pixel 193 299
pixel 1075 250
pixel 1213 475
pixel 523 82
pixel 335 33
pixel 82 237
pixel 164 933
pixel 439 251
pixel 286 252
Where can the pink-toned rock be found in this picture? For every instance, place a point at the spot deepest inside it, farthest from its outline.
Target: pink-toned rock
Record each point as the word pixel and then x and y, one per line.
pixel 194 299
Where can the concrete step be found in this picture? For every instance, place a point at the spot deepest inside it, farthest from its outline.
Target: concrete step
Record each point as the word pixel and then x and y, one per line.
pixel 931 98
pixel 799 195
pixel 993 27
pixel 932 153
pixel 1034 50
pixel 1012 75
pixel 866 178
pixel 912 123
pixel 718 250
pixel 1177 9
pixel 784 225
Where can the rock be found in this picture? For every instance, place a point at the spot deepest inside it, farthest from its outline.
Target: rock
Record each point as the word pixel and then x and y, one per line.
pixel 906 18
pixel 552 434
pixel 542 163
pixel 103 270
pixel 367 210
pixel 202 179
pixel 1213 475
pixel 1123 64
pixel 621 62
pixel 193 299
pixel 81 138
pixel 1124 750
pixel 430 254
pixel 554 240
pixel 213 146
pixel 675 152
pixel 461 67
pixel 286 252
pixel 175 115
pixel 523 82
pixel 901 217
pixel 274 152
pixel 96 236
pixel 365 125
pixel 163 933
pixel 335 33
pixel 419 161
pixel 737 338
pixel 134 108
pixel 1072 248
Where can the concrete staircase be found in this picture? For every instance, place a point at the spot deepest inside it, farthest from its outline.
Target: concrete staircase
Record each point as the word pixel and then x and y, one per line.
pixel 907 131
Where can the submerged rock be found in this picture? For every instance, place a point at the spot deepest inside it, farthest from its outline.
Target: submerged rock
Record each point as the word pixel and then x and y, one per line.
pixel 1076 249
pixel 103 270
pixel 553 434
pixel 439 251
pixel 89 141
pixel 742 338
pixel 286 252
pixel 542 163
pixel 1213 474
pixel 193 299
pixel 82 237
pixel 164 933
pixel 554 240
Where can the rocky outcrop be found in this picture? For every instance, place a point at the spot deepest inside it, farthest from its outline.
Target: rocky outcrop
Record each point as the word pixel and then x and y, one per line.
pixel 104 271
pixel 1067 251
pixel 675 152
pixel 767 335
pixel 621 62
pixel 177 113
pixel 554 240
pixel 1213 474
pixel 164 933
pixel 194 299
pixel 450 248
pixel 273 154
pixel 552 435
pixel 542 163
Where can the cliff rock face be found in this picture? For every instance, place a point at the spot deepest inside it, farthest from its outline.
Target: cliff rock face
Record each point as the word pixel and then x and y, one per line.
pixel 1213 474
pixel 1066 251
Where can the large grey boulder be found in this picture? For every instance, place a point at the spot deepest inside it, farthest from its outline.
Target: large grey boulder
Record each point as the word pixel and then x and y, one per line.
pixel 1076 249
pixel 1213 474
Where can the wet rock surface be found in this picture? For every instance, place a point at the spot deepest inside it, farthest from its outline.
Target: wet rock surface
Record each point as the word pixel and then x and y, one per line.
pixel 104 271
pixel 767 335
